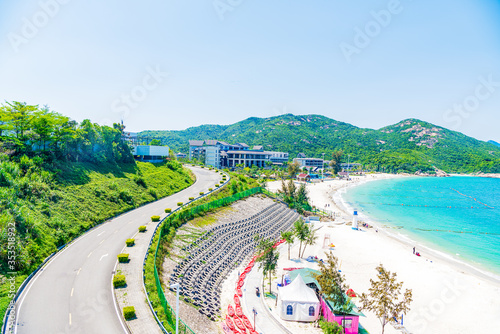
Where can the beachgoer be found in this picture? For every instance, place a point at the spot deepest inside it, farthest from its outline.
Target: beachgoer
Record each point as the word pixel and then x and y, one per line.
pixel 413 250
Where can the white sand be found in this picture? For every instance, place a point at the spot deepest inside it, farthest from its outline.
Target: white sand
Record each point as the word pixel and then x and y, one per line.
pixel 447 297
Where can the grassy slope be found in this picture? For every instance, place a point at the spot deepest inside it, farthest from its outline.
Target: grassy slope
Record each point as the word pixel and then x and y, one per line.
pixel 80 196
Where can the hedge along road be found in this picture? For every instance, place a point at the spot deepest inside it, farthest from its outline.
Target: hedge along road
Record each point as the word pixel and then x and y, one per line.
pixel 73 292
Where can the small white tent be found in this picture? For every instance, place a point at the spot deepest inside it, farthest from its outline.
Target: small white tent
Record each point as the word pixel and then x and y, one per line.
pixel 298 302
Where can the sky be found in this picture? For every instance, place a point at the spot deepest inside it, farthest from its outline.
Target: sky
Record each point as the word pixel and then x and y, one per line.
pixel 173 64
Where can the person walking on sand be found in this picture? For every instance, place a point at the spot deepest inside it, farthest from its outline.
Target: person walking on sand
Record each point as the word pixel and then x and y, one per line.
pixel 413 250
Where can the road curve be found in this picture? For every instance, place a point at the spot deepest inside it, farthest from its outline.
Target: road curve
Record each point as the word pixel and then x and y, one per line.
pixel 73 293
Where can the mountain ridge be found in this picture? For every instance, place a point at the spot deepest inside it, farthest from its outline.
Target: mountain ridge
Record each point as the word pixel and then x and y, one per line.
pixel 407 146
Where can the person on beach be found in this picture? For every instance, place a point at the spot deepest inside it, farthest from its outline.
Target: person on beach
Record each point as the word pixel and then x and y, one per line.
pixel 413 250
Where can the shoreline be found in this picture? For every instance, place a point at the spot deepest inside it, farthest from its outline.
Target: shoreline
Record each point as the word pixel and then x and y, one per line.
pixel 444 290
pixel 419 242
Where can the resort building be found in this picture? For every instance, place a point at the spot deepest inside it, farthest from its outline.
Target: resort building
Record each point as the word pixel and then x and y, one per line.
pixel 309 162
pixel 278 158
pixel 181 155
pixel 150 153
pixel 220 154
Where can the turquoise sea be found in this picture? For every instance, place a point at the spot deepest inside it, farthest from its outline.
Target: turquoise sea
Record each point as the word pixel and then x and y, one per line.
pixel 459 216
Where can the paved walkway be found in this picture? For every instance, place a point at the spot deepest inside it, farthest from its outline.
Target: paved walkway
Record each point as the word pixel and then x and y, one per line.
pixel 265 322
pixel 133 294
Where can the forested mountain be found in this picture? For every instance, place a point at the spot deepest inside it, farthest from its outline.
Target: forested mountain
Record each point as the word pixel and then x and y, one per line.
pixel 407 146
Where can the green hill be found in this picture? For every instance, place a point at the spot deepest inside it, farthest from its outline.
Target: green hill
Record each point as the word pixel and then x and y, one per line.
pixel 407 146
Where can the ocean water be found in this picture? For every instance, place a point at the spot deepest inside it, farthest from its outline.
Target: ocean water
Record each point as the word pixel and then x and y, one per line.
pixel 459 216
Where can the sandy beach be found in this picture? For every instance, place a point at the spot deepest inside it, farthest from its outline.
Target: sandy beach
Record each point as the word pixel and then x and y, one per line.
pixel 448 297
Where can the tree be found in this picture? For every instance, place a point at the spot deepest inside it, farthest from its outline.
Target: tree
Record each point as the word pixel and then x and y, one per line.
pixel 383 297
pixel 268 261
pixel 335 162
pixel 333 284
pixel 289 238
pixel 330 327
pixel 301 231
pixel 310 238
pixel 155 142
pixel 293 169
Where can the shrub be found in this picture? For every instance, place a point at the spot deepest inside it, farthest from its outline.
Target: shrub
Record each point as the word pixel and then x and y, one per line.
pixel 155 218
pixel 119 281
pixel 210 189
pixel 330 327
pixel 123 258
pixel 202 193
pixel 217 186
pixel 130 242
pixel 168 210
pixel 179 203
pixel 142 228
pixel 139 180
pixel 129 312
pixel 191 198
pixel 153 193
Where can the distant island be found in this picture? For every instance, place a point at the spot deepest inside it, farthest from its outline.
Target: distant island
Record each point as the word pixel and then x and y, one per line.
pixel 409 146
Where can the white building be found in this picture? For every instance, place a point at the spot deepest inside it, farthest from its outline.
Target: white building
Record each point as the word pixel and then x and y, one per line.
pixel 150 153
pixel 309 162
pixel 278 157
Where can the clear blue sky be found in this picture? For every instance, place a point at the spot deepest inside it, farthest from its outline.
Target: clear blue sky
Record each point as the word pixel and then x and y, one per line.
pixel 368 63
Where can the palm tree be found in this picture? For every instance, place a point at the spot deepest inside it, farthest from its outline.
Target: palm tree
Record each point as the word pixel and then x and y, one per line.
pixel 310 239
pixel 289 238
pixel 268 261
pixel 301 231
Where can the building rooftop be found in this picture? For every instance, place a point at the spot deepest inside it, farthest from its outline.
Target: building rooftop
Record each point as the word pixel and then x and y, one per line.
pixel 196 142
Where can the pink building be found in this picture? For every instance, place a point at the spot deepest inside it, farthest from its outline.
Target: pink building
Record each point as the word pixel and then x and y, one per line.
pixel 351 320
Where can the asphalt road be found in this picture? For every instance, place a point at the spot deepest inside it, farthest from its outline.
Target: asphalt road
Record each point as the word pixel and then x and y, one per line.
pixel 73 292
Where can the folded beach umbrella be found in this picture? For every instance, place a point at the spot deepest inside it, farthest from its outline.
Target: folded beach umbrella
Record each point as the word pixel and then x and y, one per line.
pixel 239 324
pixel 229 323
pixel 237 300
pixel 242 276
pixel 239 293
pixel 230 310
pixel 247 322
pixel 239 311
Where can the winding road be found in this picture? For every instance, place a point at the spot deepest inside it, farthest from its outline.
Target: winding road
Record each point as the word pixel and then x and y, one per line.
pixel 73 292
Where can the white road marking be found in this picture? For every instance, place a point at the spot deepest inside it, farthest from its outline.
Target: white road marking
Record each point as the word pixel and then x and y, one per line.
pixel 70 319
pixel 78 273
pixel 89 254
pixel 103 256
pixel 101 242
pixel 72 289
pixel 101 233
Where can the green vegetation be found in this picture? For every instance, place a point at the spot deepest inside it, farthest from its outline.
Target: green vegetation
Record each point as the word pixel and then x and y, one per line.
pixel 202 193
pixel 119 281
pixel 191 198
pixel 155 218
pixel 59 178
pixel 123 258
pixel 383 297
pixel 268 261
pixel 408 146
pixel 168 210
pixel 296 198
pixel 129 312
pixel 142 228
pixel 180 204
pixel 130 242
pixel 330 327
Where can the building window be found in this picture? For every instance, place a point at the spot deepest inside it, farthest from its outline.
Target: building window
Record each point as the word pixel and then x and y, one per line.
pixel 311 311
pixel 289 310
pixel 347 323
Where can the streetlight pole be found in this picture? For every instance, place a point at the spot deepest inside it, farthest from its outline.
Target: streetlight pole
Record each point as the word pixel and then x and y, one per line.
pixel 322 176
pixel 254 314
pixel 176 286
